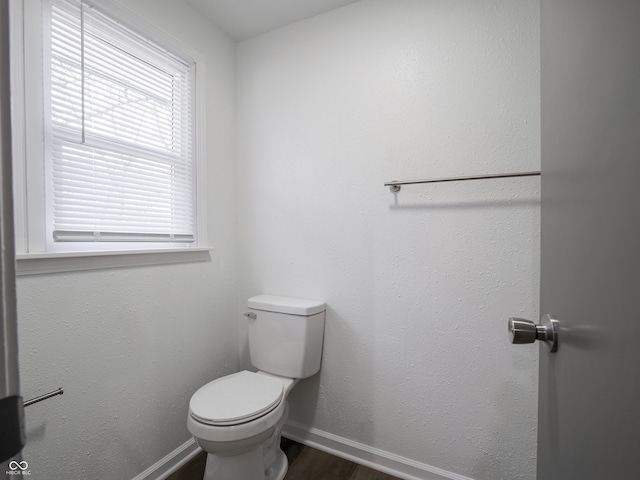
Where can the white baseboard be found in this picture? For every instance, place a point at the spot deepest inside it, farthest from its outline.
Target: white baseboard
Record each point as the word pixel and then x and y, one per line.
pixel 386 462
pixel 170 463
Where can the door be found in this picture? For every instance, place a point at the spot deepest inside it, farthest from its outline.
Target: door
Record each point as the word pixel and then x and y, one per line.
pixel 11 424
pixel 589 395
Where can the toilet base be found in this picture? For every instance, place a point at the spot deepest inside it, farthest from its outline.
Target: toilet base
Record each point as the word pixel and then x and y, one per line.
pixel 278 469
pixel 247 466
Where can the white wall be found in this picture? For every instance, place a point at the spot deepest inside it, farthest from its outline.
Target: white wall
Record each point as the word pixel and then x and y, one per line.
pixel 130 346
pixel 419 286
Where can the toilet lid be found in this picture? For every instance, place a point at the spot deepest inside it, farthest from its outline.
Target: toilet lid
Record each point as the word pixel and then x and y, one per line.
pixel 237 398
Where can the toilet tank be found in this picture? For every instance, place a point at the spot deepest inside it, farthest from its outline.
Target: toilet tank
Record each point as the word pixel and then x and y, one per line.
pixel 286 335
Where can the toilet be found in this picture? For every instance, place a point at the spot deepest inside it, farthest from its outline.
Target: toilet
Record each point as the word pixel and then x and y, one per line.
pixel 238 419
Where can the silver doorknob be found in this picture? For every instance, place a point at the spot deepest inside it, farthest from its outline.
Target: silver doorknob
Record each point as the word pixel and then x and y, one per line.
pixel 525 331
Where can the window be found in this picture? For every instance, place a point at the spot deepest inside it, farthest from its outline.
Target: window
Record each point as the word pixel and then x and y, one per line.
pixel 117 168
pixel 121 150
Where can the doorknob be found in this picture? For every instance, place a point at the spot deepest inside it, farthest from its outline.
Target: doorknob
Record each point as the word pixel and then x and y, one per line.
pixel 525 331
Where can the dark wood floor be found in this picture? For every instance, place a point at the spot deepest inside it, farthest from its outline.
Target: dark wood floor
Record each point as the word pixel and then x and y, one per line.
pixel 305 463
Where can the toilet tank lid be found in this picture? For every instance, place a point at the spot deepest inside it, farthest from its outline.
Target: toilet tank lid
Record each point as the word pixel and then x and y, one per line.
pixel 292 306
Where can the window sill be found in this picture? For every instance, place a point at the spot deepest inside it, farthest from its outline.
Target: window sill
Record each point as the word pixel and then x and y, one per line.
pixel 45 263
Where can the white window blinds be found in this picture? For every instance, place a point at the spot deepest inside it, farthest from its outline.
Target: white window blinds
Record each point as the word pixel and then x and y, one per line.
pixel 121 159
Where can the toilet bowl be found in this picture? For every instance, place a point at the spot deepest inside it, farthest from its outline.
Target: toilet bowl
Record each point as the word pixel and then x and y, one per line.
pixel 238 419
pixel 232 417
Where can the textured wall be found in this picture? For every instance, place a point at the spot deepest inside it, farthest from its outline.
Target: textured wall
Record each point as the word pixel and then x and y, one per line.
pixel 419 285
pixel 131 345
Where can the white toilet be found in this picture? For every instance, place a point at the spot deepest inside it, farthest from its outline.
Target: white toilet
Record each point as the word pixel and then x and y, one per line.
pixel 238 419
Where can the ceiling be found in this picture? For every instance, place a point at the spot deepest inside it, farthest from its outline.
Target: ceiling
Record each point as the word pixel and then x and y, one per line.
pixel 242 19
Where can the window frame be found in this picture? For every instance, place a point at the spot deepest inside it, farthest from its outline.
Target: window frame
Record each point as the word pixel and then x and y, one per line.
pixel 29 136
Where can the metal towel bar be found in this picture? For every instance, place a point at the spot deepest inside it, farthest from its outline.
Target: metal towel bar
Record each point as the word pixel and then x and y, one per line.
pixel 59 391
pixel 394 185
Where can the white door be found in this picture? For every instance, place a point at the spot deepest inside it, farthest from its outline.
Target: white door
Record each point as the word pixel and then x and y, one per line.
pixel 589 397
pixel 11 425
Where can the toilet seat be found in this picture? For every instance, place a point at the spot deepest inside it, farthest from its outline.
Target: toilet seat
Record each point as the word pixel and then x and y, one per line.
pixel 236 399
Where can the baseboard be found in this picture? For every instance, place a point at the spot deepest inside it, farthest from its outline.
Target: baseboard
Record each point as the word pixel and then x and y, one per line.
pixel 171 462
pixel 386 462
